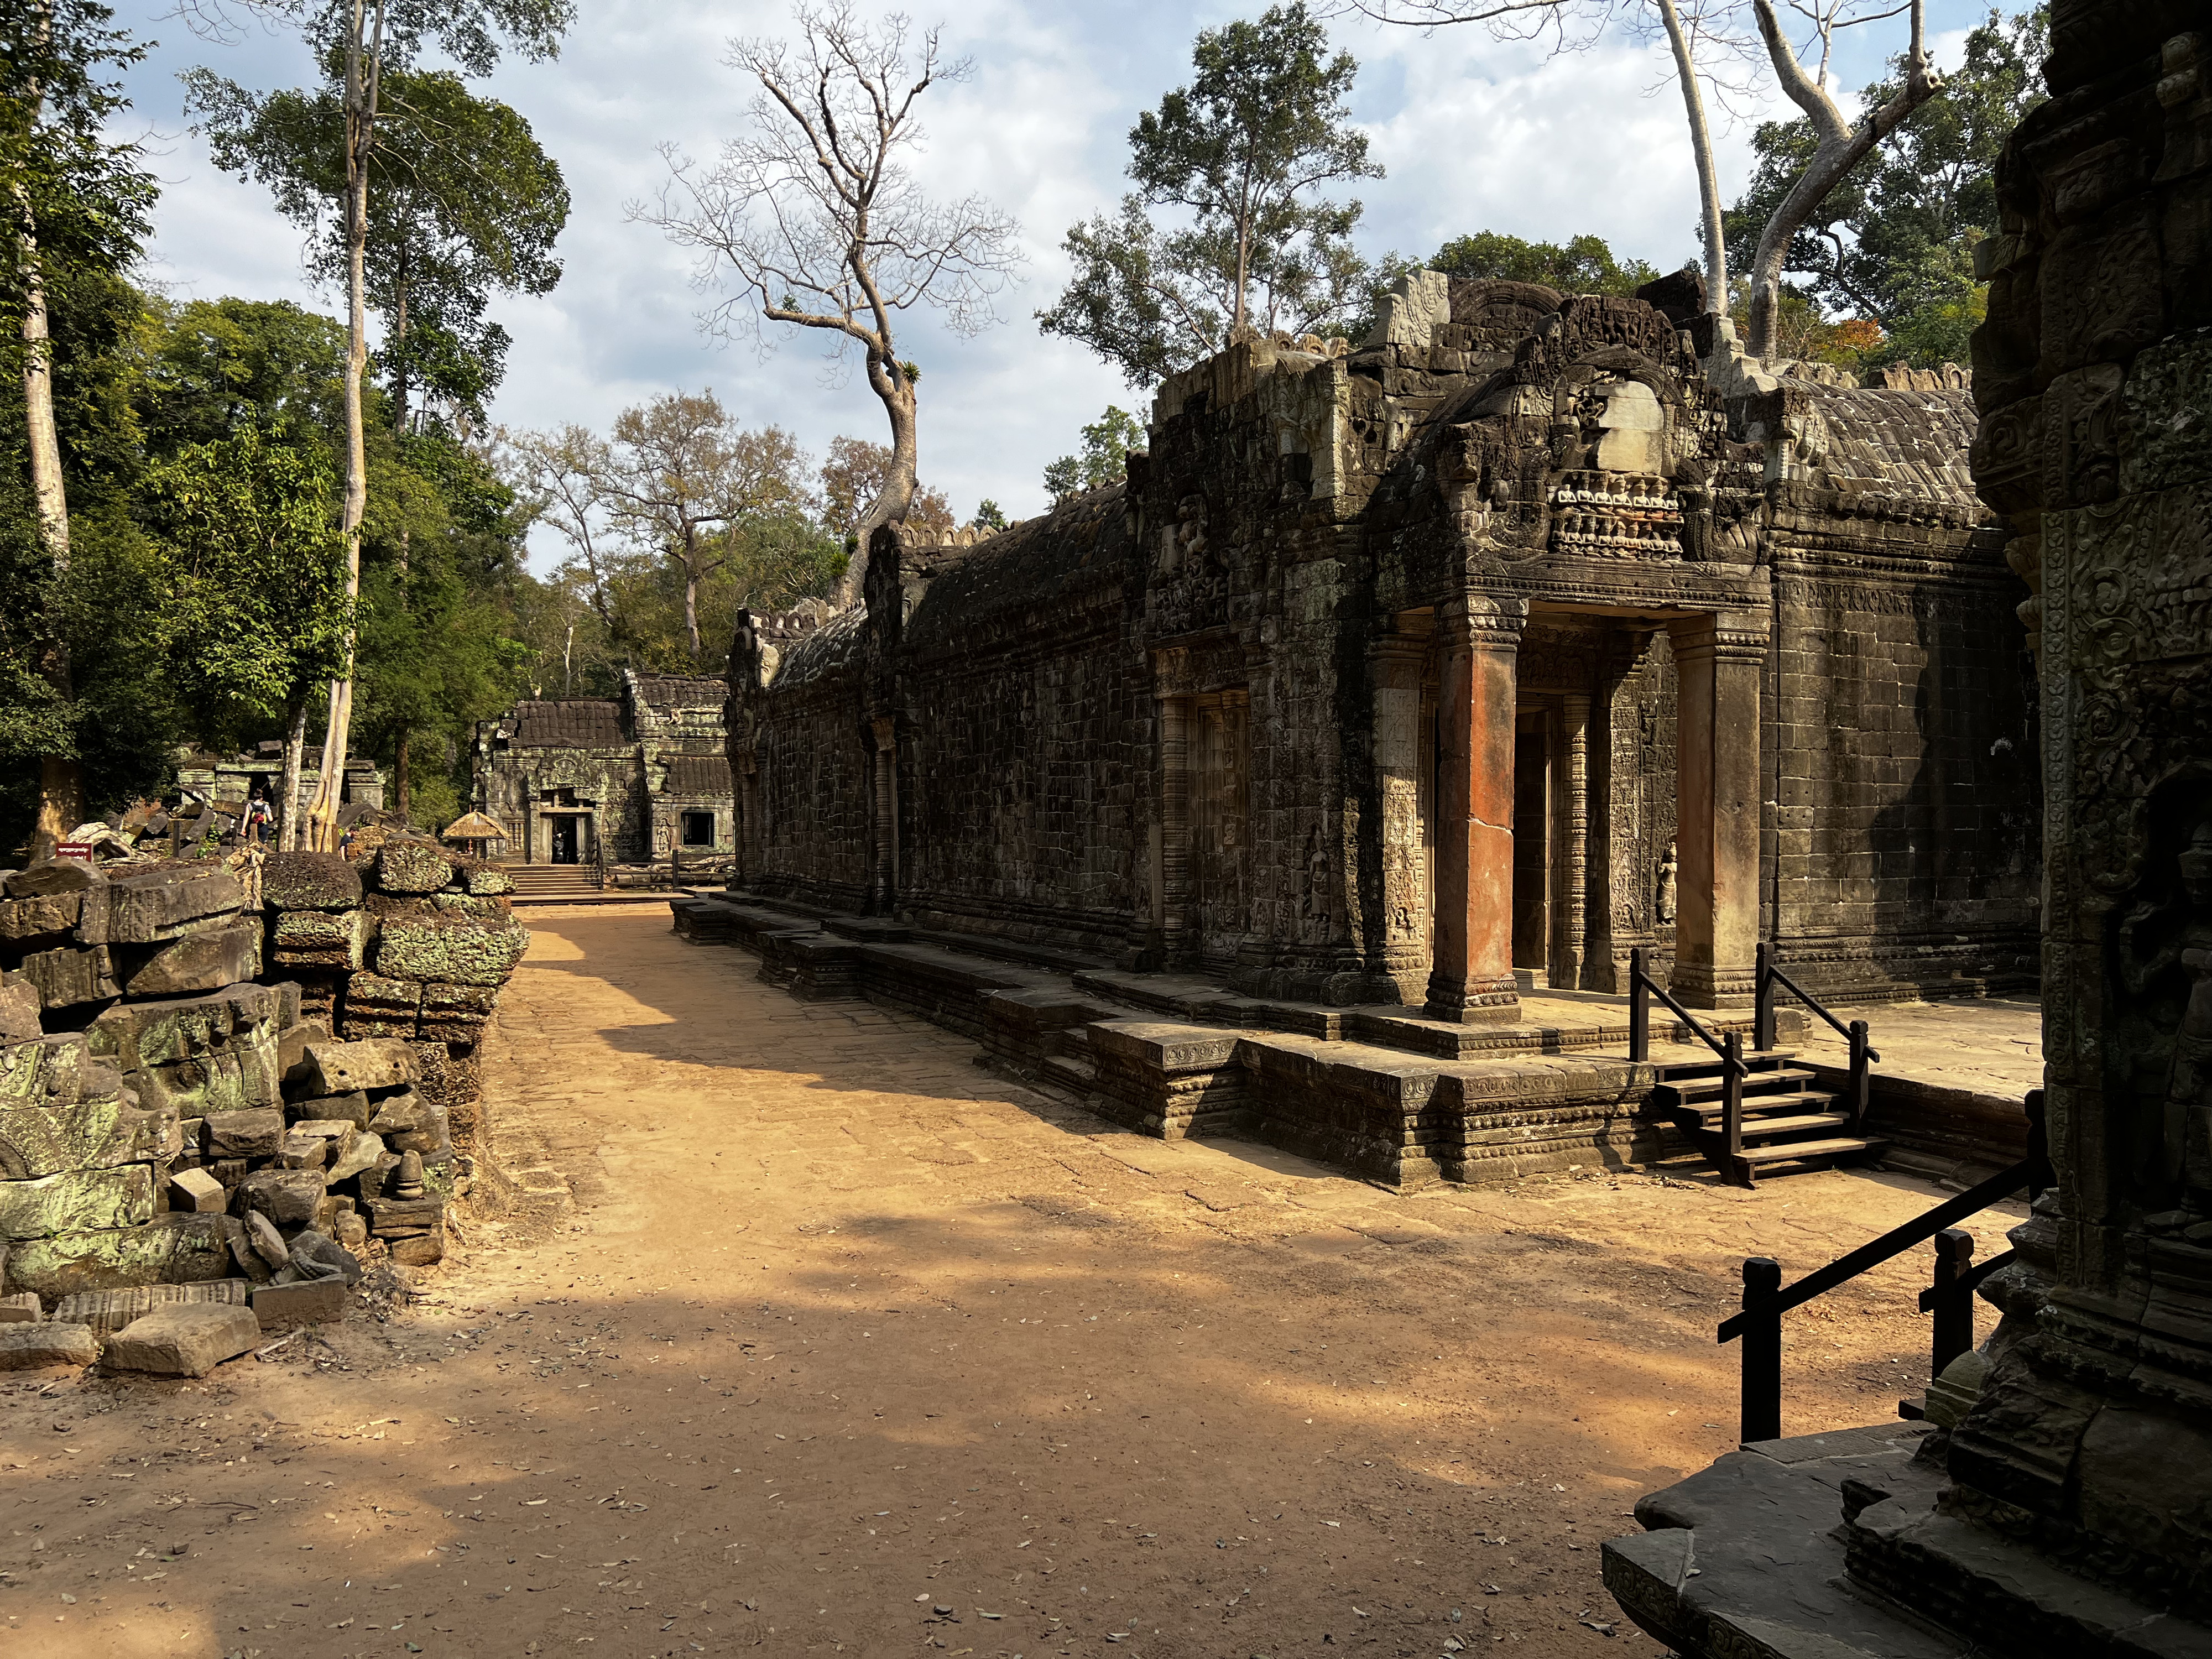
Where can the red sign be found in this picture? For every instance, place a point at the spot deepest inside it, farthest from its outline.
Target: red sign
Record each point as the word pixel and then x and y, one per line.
pixel 79 850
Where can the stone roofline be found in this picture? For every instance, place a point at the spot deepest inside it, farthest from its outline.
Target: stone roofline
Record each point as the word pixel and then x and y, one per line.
pixel 1777 403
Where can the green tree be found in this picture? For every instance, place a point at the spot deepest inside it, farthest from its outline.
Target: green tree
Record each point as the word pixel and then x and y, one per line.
pixel 989 516
pixel 74 204
pixel 367 41
pixel 1240 155
pixel 463 205
pixel 1104 459
pixel 1582 265
pixel 211 368
pixel 248 528
pixel 1893 243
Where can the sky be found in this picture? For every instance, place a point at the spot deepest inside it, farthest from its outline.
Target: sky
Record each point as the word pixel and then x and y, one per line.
pixel 1473 134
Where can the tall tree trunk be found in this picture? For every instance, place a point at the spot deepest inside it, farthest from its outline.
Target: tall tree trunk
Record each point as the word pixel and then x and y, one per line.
pixel 61 781
pixel 295 746
pixel 1842 146
pixel 895 390
pixel 359 124
pixel 691 556
pixel 1701 147
pixel 403 778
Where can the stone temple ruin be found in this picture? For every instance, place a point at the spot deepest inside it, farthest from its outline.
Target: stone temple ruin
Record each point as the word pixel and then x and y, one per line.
pixel 1398 685
pixel 226 1081
pixel 626 778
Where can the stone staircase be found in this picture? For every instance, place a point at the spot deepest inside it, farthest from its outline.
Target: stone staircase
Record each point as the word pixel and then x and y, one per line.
pixel 552 883
pixel 1788 1126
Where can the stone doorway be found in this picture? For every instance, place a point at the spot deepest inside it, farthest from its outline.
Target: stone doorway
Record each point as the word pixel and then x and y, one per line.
pixel 1532 848
pixel 568 841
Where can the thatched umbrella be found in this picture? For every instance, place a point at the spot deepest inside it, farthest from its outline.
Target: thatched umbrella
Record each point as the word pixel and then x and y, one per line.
pixel 475 830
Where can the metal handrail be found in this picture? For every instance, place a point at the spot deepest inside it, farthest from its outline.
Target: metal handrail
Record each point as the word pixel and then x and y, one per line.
pixel 1766 1300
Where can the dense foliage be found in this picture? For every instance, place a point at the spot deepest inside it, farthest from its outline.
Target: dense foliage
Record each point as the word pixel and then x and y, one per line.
pixel 1884 272
pixel 1227 229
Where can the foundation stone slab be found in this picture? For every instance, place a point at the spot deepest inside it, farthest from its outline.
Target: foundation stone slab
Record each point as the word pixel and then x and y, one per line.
pixel 185 1340
pixel 36 1347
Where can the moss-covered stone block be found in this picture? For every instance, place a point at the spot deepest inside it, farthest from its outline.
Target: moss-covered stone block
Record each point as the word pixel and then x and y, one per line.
pixel 36 1140
pixel 138 1035
pixel 77 1200
pixel 310 881
pixel 412 867
pixel 46 1071
pixel 376 1006
pixel 453 950
pixel 322 939
pixel 177 1249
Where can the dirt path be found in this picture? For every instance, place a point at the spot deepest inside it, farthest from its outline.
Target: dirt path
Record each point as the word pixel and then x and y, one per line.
pixel 848 1346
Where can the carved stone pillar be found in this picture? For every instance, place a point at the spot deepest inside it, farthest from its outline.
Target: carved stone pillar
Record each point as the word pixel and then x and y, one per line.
pixel 1718 659
pixel 1396 661
pixel 1171 670
pixel 1570 939
pixel 1471 978
pixel 1620 918
pixel 882 886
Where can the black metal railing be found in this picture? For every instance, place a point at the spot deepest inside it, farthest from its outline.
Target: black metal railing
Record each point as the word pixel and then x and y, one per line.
pixel 1765 1299
pixel 1642 987
pixel 1864 1055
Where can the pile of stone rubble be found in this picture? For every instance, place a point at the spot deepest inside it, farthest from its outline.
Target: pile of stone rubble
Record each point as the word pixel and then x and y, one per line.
pixel 190 1154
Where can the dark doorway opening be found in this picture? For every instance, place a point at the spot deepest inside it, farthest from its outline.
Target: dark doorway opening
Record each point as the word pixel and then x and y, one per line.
pixel 698 829
pixel 568 841
pixel 1531 847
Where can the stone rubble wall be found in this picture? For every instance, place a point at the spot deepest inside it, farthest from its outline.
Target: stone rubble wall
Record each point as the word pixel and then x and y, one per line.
pixel 187 1045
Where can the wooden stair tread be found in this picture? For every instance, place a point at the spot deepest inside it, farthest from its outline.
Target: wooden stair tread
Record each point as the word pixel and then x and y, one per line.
pixel 1788 1150
pixel 1756 1107
pixel 1713 1085
pixel 1766 1127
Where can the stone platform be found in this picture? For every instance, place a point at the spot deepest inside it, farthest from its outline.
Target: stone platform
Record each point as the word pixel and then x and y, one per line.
pixel 1398 1099
pixel 1791 1549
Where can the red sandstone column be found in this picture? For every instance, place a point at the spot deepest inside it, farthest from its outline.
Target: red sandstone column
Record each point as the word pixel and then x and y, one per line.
pixel 1717 664
pixel 1471 971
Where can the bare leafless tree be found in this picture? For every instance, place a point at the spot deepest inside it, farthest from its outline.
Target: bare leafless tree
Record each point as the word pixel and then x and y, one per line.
pixel 815 221
pixel 1698 34
pixel 564 474
pixel 1843 144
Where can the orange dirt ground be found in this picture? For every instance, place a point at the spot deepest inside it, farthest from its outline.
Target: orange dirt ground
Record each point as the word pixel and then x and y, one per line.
pixel 824 1340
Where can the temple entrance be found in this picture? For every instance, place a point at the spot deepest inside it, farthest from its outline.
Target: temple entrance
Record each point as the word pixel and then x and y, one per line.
pixel 568 840
pixel 1532 842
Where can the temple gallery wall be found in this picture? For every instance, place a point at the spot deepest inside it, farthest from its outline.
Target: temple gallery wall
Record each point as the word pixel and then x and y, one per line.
pixel 1538 629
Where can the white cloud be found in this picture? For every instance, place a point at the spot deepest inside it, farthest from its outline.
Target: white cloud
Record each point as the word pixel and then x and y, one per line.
pixel 1474 135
